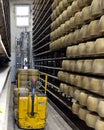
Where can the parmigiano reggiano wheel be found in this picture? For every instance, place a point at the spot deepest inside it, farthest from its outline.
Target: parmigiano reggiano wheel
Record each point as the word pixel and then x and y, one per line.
pixel 67 26
pixel 96 8
pixel 73 65
pixel 86 14
pixel 71 91
pixel 93 28
pixel 61 87
pixel 91 119
pixel 60 75
pixel 72 79
pixel 99 46
pixel 66 77
pixel 74 51
pixel 81 4
pixel 75 108
pixel 65 89
pixel 78 19
pixel 65 3
pixel 99 124
pixel 84 32
pixel 90 48
pixel 58 11
pixel 102 87
pixel 66 64
pixel 101 24
pixel 101 108
pixel 87 66
pixel 92 103
pixel 69 11
pixel 82 113
pixel 75 7
pixel 95 85
pixel 22 71
pixel 60 19
pixel 77 35
pixel 61 6
pixel 69 39
pixel 86 83
pixel 68 52
pixel 83 98
pixel 82 49
pixel 76 94
pixel 79 65
pixel 98 66
pixel 64 16
pixel 78 81
pixel 72 24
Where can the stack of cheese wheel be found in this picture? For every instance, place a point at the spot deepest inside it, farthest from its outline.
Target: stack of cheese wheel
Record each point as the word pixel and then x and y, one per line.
pixel 33 74
pixel 99 124
pixel 82 113
pixel 23 77
pixel 91 119
pixel 75 108
pixel 92 103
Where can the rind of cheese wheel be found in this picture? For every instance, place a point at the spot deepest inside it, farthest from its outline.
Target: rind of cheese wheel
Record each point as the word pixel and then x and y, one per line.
pixel 86 14
pixel 95 85
pixel 79 65
pixel 69 12
pixel 68 52
pixel 75 108
pixel 101 24
pixel 82 113
pixel 91 119
pixel 101 108
pixel 99 124
pixel 76 94
pixel 87 66
pixel 99 46
pixel 92 103
pixel 98 66
pixel 74 51
pixel 86 83
pixel 78 19
pixel 96 8
pixel 93 28
pixel 84 32
pixel 90 48
pixel 83 98
pixel 75 7
pixel 82 49
pixel 78 81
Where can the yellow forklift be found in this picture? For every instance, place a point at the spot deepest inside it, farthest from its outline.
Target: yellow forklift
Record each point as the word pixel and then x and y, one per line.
pixel 32 105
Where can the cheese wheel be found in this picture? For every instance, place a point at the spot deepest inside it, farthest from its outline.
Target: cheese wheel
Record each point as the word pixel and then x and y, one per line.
pixel 90 48
pixel 82 113
pixel 101 24
pixel 65 89
pixel 72 24
pixel 66 64
pixel 84 32
pixel 69 39
pixel 98 66
pixel 86 14
pixel 60 19
pixel 78 19
pixel 61 87
pixel 82 49
pixel 101 108
pixel 91 119
pixel 75 108
pixel 76 94
pixel 60 75
pixel 86 83
pixel 95 85
pixel 79 65
pixel 67 26
pixel 83 98
pixel 81 4
pixel 66 77
pixel 78 81
pixel 58 11
pixel 71 91
pixel 74 51
pixel 96 8
pixel 65 3
pixel 61 6
pixel 92 103
pixel 102 87
pixel 77 35
pixel 72 79
pixel 73 65
pixel 64 16
pixel 99 124
pixel 93 28
pixel 75 7
pixel 62 29
pixel 99 46
pixel 87 66
pixel 69 12
pixel 68 52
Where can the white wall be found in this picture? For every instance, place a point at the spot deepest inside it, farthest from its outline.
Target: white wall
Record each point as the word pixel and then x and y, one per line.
pixel 15 31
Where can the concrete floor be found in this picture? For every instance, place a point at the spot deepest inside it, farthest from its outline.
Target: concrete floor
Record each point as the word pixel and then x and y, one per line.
pixel 54 120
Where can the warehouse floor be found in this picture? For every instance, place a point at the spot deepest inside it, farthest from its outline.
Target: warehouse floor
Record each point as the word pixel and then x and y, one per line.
pixel 54 120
